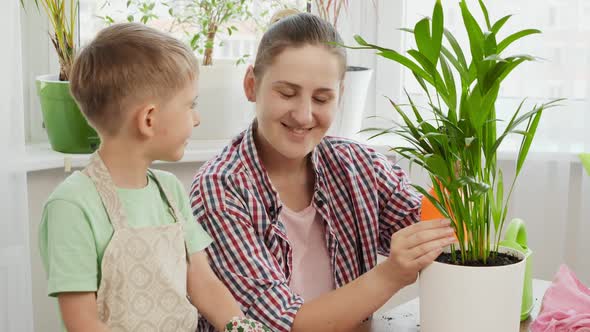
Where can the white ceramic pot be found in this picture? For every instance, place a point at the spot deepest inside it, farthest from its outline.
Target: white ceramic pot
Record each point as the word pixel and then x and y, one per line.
pixel 222 104
pixel 349 118
pixel 468 299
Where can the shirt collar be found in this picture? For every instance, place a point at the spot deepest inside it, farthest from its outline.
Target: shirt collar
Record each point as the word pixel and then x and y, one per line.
pixel 253 164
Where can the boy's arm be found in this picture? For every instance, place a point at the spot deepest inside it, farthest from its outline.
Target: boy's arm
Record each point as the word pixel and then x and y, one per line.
pixel 209 294
pixel 80 312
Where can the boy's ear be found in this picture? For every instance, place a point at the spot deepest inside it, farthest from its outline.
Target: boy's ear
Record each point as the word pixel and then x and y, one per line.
pixel 250 84
pixel 145 119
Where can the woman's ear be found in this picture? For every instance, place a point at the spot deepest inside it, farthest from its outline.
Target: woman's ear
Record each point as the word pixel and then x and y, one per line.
pixel 145 119
pixel 250 84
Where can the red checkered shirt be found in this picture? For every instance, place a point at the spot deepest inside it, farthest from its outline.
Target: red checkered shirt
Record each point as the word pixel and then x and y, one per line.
pixel 360 195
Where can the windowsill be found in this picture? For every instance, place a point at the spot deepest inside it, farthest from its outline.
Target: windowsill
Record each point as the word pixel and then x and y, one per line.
pixel 40 156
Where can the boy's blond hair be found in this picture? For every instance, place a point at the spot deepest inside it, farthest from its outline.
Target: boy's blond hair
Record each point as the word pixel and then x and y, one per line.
pixel 125 64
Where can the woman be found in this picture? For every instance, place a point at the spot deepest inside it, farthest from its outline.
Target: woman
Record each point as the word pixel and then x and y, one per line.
pixel 298 218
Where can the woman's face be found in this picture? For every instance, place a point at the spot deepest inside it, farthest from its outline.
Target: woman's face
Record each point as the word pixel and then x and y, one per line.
pixel 296 99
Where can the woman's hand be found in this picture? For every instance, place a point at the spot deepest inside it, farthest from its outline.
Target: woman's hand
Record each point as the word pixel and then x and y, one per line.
pixel 415 247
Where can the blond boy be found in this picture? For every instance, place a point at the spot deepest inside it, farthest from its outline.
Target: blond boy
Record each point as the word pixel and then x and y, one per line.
pixel 117 240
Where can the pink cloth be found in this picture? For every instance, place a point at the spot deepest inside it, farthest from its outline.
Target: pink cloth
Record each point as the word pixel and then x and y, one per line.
pixel 312 272
pixel 566 305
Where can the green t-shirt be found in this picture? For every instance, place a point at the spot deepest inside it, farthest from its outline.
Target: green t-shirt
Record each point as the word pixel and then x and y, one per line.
pixel 75 229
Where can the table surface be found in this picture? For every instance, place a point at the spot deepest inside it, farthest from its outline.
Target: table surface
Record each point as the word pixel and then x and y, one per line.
pixel 405 317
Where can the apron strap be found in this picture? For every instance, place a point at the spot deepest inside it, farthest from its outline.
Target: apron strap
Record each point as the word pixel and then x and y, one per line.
pixel 99 174
pixel 173 208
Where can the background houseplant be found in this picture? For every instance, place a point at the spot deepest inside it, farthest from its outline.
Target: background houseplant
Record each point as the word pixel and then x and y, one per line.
pixel 67 129
pixel 205 25
pixel 348 121
pixel 455 138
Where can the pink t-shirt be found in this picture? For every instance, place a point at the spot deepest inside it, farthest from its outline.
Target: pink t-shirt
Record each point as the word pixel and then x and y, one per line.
pixel 312 272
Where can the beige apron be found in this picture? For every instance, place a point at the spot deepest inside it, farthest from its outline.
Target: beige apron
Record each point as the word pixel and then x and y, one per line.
pixel 144 270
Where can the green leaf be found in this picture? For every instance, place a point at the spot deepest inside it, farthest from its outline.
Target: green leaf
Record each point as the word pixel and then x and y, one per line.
pixel 450 83
pixel 195 41
pixel 424 41
pixel 437 79
pixel 433 200
pixel 414 108
pixel 500 70
pixel 437 29
pixel 514 37
pixel 461 70
pixel 500 23
pixel 456 48
pixel 490 46
pixel 437 166
pixel 499 195
pixel 411 128
pixel 484 10
pixel 474 33
pixel 527 140
pixel 130 18
pixel 402 60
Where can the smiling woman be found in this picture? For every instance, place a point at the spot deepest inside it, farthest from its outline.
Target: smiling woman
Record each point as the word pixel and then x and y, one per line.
pixel 298 217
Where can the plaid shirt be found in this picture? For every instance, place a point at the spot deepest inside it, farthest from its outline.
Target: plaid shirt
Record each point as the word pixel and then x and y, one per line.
pixel 360 195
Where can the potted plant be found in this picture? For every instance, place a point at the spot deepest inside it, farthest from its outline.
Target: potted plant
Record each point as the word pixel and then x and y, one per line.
pixel 349 120
pixel 478 284
pixel 202 23
pixel 67 129
pixel 222 103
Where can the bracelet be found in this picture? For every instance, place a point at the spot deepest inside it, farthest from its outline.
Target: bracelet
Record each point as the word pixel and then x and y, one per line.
pixel 243 324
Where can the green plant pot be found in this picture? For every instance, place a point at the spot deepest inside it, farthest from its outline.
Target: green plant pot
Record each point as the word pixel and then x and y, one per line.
pixel 67 129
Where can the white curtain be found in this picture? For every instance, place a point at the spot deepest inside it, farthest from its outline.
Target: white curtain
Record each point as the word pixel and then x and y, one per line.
pixel 16 313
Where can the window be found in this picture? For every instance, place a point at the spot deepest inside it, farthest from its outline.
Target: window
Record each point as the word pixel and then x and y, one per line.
pixel 161 14
pixel 563 48
pixel 562 71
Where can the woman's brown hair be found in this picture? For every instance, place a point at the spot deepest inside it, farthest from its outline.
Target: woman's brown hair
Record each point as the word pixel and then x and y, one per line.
pixel 290 28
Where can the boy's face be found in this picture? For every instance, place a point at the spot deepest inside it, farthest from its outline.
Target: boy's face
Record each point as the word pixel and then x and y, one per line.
pixel 174 123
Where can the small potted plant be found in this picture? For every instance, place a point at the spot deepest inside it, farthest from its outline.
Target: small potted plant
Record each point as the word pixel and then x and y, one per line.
pixel 67 129
pixel 478 284
pixel 202 24
pixel 222 104
pixel 349 120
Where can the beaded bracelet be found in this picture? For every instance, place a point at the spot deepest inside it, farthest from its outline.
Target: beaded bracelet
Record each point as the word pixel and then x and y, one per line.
pixel 243 324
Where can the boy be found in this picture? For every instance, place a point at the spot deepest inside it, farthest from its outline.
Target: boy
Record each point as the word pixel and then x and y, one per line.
pixel 117 240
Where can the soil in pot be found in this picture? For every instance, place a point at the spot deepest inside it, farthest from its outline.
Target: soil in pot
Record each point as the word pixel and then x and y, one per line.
pixel 495 259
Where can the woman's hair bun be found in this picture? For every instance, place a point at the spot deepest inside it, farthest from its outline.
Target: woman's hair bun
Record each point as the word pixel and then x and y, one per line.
pixel 281 14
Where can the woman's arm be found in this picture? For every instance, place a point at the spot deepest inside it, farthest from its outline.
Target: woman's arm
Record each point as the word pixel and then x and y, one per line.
pixel 343 309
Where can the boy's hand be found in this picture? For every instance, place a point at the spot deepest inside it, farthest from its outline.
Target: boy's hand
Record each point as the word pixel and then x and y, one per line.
pixel 209 294
pixel 80 312
pixel 415 247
